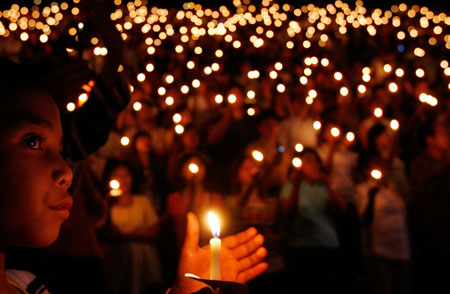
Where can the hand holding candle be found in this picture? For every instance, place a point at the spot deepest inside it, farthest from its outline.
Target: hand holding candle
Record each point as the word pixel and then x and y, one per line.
pixel 242 258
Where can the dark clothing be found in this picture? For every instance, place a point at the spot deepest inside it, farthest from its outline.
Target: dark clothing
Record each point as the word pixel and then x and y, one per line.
pixel 430 223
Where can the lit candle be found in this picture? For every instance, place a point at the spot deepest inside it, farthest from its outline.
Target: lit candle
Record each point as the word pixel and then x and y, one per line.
pixel 376 174
pixel 257 155
pixel 215 243
pixel 193 168
pixel 115 188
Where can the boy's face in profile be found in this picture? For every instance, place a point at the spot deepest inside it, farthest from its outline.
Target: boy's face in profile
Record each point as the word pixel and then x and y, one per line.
pixel 34 177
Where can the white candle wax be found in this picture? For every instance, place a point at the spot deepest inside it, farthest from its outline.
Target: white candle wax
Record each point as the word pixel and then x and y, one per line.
pixel 214 271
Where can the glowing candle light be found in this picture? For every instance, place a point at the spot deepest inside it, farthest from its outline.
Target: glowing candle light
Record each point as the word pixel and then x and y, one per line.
pixel 393 87
pixel 251 94
pixel 335 132
pixel 344 91
pixel 169 101
pixel 387 68
pixel 193 168
pixel 350 136
pixel 149 67
pixel 176 118
pixel 82 99
pixel 70 106
pixel 218 98
pixel 115 188
pixel 257 155
pixel 179 129
pixel 399 72
pixel 420 73
pixel 232 98
pixel 394 124
pixel 376 174
pixel 196 83
pixel 124 141
pixel 312 93
pixel 184 89
pixel 251 111
pixel 338 76
pixel 362 89
pixel 298 147
pixel 141 77
pixel 278 66
pixel 297 162
pixel 169 79
pixel 137 106
pixel 215 243
pixel 378 112
pixel 161 91
pixel 114 184
pixel 317 125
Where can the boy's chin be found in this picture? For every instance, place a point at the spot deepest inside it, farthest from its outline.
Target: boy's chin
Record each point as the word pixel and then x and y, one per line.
pixel 42 240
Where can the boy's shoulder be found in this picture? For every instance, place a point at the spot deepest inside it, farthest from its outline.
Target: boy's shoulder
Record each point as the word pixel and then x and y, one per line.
pixel 25 282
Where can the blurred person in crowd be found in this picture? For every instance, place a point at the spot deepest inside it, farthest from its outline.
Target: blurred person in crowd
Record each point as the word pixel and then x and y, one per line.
pixel 336 150
pixel 370 119
pixel 312 249
pixel 250 205
pixel 298 127
pixel 185 144
pixel 132 263
pixel 276 160
pixel 227 137
pixel 382 142
pixel 430 206
pixel 382 206
pixel 191 195
pixel 148 167
pixel 148 120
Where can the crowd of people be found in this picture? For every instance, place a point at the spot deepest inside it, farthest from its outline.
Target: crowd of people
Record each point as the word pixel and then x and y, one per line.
pixel 326 128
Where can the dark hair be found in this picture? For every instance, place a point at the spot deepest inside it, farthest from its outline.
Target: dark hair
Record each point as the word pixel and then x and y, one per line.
pixel 234 172
pixel 110 166
pixel 140 134
pixel 310 150
pixel 375 131
pixel 17 77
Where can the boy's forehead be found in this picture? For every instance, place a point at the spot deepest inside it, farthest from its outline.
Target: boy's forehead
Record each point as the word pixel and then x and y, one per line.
pixel 30 107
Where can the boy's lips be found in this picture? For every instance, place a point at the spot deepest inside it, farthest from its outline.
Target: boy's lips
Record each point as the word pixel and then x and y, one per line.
pixel 64 206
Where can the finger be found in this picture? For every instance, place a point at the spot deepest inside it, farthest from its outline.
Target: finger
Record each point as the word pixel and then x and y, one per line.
pixel 192 233
pixel 250 261
pixel 252 273
pixel 248 248
pixel 240 238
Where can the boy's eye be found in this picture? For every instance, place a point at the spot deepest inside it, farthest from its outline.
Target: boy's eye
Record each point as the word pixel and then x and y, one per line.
pixel 33 142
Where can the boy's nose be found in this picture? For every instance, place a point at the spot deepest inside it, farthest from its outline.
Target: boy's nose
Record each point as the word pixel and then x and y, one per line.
pixel 63 175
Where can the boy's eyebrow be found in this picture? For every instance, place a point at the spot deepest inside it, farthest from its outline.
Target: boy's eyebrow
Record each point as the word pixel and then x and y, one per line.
pixel 26 118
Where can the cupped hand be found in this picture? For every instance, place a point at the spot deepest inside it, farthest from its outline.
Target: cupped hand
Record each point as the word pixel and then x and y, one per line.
pixel 241 258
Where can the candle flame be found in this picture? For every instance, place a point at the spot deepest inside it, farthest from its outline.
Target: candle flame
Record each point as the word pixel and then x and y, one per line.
pixel 214 224
pixel 114 184
pixel 257 155
pixel 193 168
pixel 376 174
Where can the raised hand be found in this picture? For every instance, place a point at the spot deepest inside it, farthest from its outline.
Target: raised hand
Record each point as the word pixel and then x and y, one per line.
pixel 241 258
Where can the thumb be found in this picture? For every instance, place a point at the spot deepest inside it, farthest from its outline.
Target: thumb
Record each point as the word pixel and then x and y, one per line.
pixel 192 233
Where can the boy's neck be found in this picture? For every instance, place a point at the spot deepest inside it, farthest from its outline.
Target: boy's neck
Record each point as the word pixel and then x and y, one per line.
pixel 4 285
